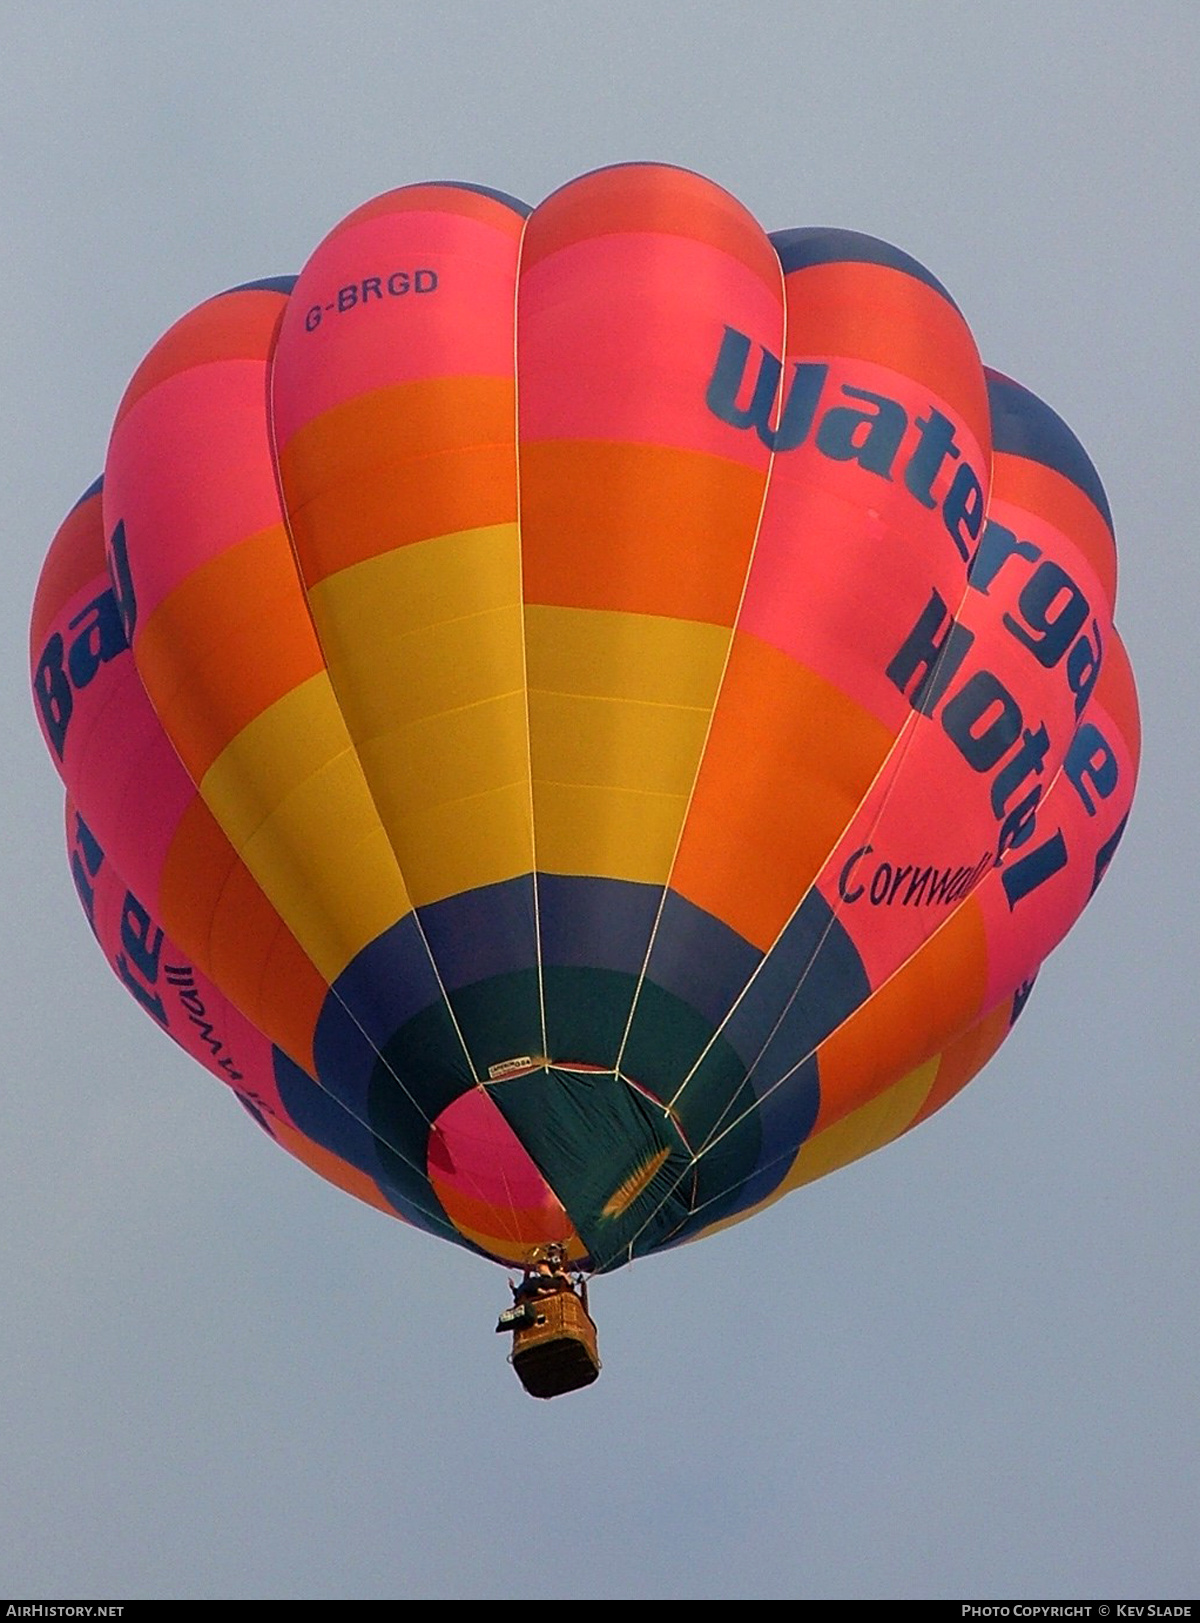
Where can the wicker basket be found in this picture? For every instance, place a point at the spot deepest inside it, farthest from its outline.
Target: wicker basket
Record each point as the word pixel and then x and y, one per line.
pixel 556 1352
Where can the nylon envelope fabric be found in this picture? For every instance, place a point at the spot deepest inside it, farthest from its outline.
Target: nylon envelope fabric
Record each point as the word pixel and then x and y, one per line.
pixel 585 718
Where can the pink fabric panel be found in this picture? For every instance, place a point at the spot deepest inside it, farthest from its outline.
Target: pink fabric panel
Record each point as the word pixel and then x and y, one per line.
pixel 117 763
pixel 1081 817
pixel 376 342
pixel 159 481
pixel 160 977
pixel 634 381
pixel 846 559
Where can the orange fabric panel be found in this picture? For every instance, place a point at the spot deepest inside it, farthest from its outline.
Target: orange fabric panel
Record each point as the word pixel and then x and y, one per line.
pixel 933 998
pixel 649 197
pixel 788 760
pixel 372 433
pixel 460 490
pixel 330 1167
pixel 1052 496
pixel 231 327
pixel 875 313
pixel 965 1057
pixel 212 906
pixel 647 528
pixel 228 642
pixel 514 1230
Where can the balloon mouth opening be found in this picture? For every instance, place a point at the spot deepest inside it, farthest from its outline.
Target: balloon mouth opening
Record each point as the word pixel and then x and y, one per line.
pixel 558 1153
pixel 489 1186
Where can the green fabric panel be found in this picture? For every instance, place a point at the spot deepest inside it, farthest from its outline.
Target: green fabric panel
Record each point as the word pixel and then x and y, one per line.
pixel 589 1132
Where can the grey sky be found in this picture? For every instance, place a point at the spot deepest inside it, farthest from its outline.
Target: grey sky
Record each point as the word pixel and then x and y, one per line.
pixel 965 1366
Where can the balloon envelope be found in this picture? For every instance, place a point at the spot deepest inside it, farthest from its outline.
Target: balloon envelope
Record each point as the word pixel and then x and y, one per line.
pixel 585 718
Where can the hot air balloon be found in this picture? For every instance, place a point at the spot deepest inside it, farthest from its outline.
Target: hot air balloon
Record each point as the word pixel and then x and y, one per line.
pixel 585 718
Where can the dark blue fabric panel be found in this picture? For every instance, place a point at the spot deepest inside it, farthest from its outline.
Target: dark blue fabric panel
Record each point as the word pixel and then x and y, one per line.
pixel 830 245
pixel 94 489
pixel 265 284
pixel 811 980
pixel 514 203
pixel 782 1117
pixel 389 980
pixel 483 932
pixel 592 923
pixel 1023 425
pixel 321 1118
pixel 387 983
pixel 699 959
pixel 787 1112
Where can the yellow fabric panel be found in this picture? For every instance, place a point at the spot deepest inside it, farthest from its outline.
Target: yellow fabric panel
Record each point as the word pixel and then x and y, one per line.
pixel 457 846
pixel 291 798
pixel 272 755
pixel 425 648
pixel 372 603
pixel 612 833
pixel 616 655
pixel 514 1252
pixel 448 757
pixel 398 677
pixel 868 1128
pixel 619 705
pixel 615 743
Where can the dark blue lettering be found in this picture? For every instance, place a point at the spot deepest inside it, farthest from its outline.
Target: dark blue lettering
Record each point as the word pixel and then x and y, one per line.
pixel 141 940
pixel 982 696
pixel 1020 823
pixel 916 886
pixel 148 1000
pixel 1106 853
pixel 1029 758
pixel 879 891
pixel 204 1027
pixel 86 861
pixel 939 889
pixel 996 547
pixel 898 878
pixel 252 1109
pixel 852 860
pixel 963 510
pixel 52 691
pixel 1083 668
pixel 964 880
pixel 1020 999
pixel 122 580
pixel 870 438
pixel 1034 868
pixel 398 283
pixel 1090 759
pixel 372 285
pixel 1048 631
pixel 425 281
pixel 101 639
pixel 934 446
pixel 925 651
pixel 799 409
